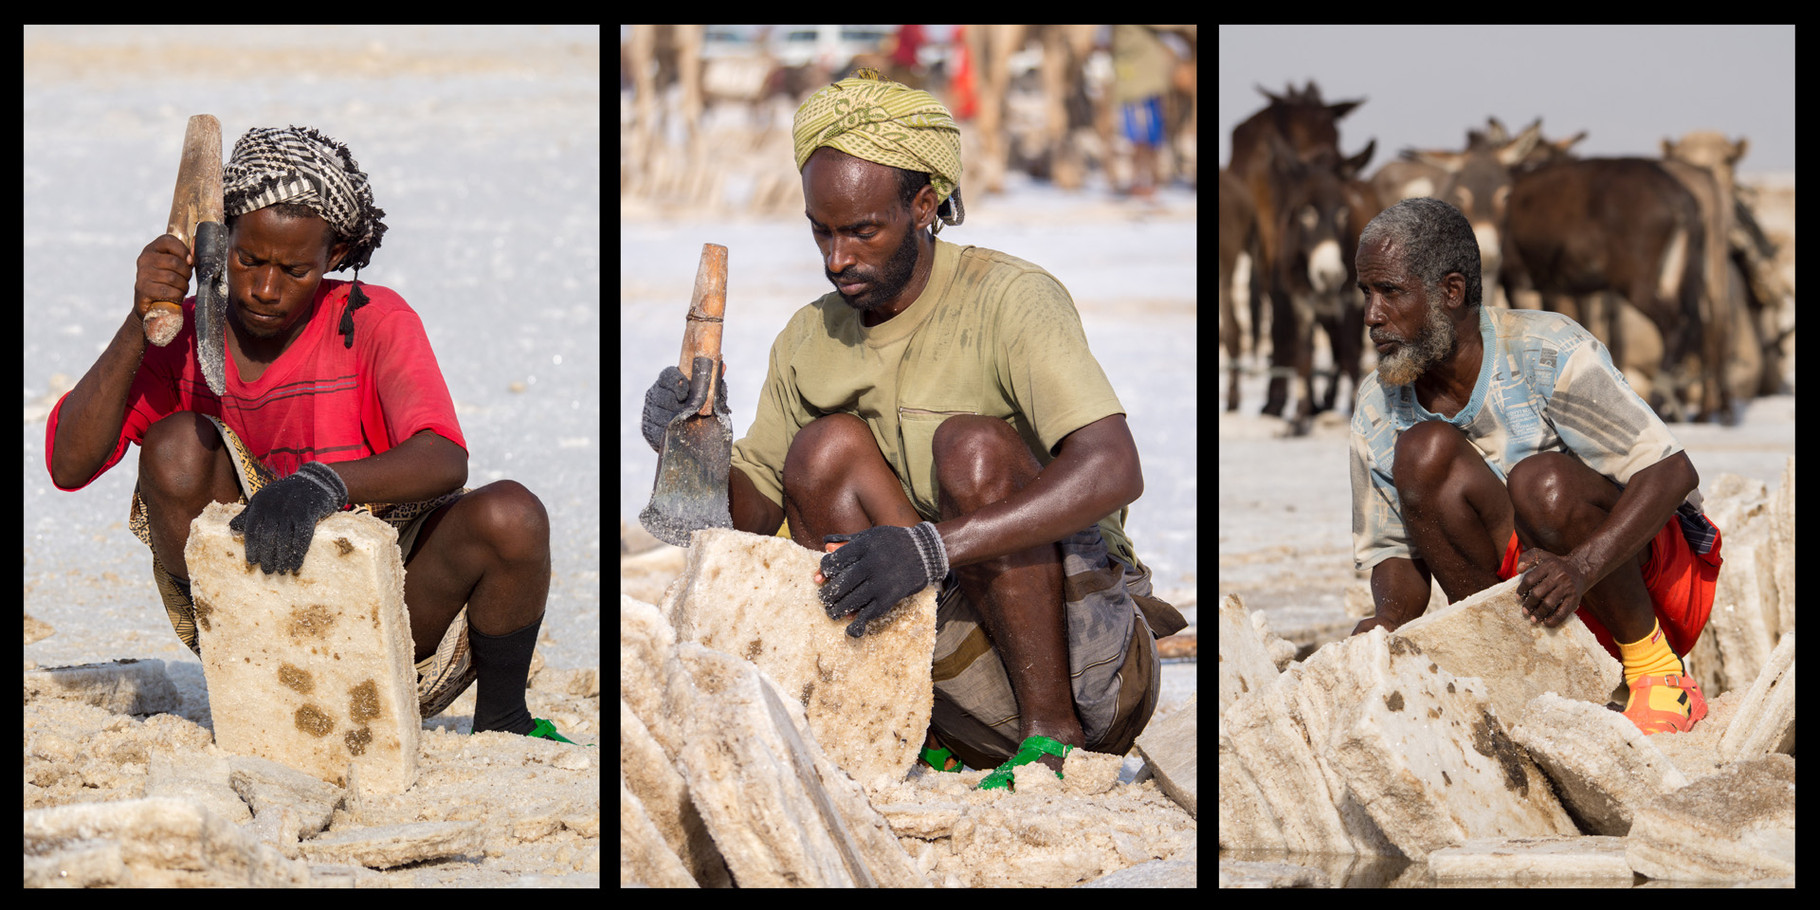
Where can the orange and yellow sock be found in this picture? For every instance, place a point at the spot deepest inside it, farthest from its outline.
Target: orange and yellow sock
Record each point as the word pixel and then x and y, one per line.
pixel 1653 657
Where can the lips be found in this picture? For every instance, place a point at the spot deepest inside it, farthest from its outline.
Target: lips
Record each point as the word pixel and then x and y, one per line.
pixel 263 318
pixel 853 289
pixel 1386 348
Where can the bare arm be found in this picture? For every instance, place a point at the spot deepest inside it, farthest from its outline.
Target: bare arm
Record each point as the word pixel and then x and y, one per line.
pixel 88 423
pixel 422 467
pixel 1643 508
pixel 1400 588
pixel 752 512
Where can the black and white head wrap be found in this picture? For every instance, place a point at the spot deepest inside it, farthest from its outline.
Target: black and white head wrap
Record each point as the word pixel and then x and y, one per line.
pixel 301 165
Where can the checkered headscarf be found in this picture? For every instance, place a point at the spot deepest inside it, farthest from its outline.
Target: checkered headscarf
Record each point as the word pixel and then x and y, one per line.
pixel 301 165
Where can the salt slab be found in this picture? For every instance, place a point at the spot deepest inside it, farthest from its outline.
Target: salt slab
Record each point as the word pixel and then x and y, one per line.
pixel 311 670
pixel 868 699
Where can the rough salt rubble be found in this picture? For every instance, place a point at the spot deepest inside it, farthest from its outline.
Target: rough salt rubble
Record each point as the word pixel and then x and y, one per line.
pixel 130 796
pixel 766 747
pixel 1480 745
pixel 310 766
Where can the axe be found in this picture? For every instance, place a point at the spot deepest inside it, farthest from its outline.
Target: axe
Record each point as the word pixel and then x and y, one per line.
pixel 691 489
pixel 196 220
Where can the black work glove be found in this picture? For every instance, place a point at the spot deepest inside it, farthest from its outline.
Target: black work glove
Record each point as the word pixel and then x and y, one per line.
pixel 281 518
pixel 673 394
pixel 879 567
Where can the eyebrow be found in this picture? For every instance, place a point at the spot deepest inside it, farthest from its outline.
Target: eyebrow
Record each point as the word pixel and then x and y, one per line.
pixel 863 223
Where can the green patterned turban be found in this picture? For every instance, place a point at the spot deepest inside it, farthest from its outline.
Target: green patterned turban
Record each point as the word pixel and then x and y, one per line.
pixel 886 123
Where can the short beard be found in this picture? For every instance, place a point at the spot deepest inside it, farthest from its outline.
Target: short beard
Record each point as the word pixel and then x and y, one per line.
pixel 887 283
pixel 1411 359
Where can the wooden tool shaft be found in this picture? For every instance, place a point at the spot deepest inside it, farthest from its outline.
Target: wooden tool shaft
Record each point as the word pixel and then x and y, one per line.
pixel 706 307
pixel 197 195
pixel 195 199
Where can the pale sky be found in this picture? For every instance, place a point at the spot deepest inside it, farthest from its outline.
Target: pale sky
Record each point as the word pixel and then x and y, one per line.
pixel 1628 86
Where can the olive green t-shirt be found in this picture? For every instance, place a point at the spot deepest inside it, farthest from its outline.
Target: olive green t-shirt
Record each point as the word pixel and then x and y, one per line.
pixel 990 334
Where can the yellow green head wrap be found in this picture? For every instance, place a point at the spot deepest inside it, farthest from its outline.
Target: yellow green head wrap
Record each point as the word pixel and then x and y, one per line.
pixel 886 123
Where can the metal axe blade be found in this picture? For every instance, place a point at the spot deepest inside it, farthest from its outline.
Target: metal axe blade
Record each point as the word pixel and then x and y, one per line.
pixel 211 303
pixel 692 470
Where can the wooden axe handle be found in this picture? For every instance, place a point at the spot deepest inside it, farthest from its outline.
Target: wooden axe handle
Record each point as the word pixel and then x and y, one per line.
pixel 706 306
pixel 196 198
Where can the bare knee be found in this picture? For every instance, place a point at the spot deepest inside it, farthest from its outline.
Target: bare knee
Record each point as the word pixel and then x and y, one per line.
pixel 1425 455
pixel 1542 489
pixel 183 466
pixel 511 521
pixel 980 460
pixel 179 457
pixel 825 449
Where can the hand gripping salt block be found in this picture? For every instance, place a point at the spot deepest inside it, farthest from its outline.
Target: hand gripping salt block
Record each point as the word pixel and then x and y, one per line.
pixel 310 670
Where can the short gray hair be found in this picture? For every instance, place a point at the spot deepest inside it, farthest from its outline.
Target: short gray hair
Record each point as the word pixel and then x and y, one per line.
pixel 1435 237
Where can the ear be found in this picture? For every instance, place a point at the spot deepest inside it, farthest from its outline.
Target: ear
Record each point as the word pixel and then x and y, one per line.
pixel 923 207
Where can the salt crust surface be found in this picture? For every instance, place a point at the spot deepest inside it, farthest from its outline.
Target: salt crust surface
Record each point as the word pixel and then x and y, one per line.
pixel 1054 835
pixel 538 803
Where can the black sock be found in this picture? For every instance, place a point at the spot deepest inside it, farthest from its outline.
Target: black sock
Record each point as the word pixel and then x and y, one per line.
pixel 501 662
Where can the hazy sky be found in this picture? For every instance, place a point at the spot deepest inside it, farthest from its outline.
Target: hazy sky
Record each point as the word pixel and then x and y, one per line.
pixel 1628 86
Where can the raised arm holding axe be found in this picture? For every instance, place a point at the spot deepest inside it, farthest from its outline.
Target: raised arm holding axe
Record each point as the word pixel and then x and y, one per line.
pixel 195 241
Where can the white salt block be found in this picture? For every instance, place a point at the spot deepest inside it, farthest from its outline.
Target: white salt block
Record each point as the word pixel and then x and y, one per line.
pixel 311 670
pixel 868 699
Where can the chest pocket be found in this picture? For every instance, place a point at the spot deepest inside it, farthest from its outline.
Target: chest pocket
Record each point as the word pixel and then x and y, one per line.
pixel 916 430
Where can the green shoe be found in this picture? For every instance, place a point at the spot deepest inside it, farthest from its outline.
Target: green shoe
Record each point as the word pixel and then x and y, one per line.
pixel 938 758
pixel 1030 750
pixel 543 729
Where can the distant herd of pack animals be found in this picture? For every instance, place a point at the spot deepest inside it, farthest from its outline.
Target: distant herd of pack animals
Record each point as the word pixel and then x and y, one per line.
pixel 1671 236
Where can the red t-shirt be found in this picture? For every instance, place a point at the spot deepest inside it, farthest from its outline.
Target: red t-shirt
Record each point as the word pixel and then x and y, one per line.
pixel 319 401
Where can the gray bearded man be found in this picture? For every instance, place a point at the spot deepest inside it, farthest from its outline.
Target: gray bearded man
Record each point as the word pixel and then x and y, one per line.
pixel 1493 443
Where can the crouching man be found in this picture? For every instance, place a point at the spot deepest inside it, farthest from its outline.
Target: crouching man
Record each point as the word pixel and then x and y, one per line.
pixel 1492 443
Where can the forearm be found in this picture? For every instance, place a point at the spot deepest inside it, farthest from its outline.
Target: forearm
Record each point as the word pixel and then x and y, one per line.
pixel 422 467
pixel 1642 509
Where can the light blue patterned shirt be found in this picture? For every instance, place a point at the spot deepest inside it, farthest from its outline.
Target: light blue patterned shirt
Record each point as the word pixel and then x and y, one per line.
pixel 1545 385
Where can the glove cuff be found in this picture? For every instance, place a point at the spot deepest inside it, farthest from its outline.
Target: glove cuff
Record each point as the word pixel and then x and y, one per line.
pixel 325 477
pixel 929 546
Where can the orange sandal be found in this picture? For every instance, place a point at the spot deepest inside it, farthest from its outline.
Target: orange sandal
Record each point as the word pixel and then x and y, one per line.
pixel 1651 720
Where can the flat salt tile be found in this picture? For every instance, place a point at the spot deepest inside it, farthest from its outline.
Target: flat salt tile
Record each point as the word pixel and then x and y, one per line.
pixel 310 670
pixel 868 699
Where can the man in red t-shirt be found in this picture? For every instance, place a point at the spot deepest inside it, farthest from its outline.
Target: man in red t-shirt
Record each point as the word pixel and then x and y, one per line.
pixel 333 397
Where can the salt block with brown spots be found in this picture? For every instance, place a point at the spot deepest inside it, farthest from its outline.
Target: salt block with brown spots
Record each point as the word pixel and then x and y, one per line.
pixel 311 670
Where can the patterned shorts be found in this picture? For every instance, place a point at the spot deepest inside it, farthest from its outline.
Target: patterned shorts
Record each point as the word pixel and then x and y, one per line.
pixel 1112 623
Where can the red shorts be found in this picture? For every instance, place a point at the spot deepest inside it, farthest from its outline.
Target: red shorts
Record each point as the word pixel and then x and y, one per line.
pixel 1680 584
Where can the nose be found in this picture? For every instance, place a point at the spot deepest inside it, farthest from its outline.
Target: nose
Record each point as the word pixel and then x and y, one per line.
pixel 837 258
pixel 263 287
